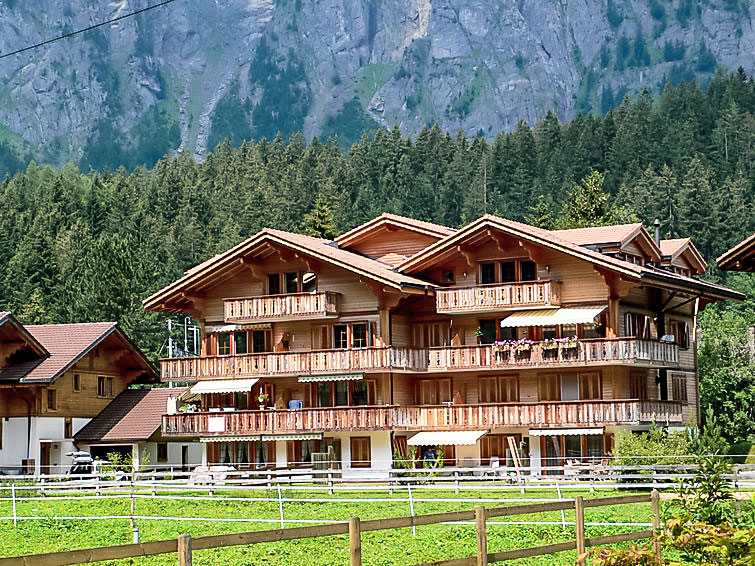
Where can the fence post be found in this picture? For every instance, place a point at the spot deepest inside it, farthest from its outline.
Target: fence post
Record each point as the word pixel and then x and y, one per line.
pixel 480 517
pixel 579 512
pixel 13 495
pixel 411 509
pixel 184 550
pixel 655 500
pixel 563 513
pixel 280 507
pixel 355 542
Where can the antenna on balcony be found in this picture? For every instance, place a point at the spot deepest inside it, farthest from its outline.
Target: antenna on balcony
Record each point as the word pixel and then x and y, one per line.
pixel 170 338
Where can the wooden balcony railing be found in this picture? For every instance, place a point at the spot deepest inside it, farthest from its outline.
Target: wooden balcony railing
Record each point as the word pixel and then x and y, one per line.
pixel 487 298
pixel 622 350
pixel 454 417
pixel 451 358
pixel 293 306
pixel 290 363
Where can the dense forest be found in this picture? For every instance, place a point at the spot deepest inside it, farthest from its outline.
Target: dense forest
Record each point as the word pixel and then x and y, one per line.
pixel 78 246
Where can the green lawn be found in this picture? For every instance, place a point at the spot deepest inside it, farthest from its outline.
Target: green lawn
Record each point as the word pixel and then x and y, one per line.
pixel 396 547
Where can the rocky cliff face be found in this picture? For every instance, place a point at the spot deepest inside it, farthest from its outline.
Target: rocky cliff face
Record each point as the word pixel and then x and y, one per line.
pixel 186 75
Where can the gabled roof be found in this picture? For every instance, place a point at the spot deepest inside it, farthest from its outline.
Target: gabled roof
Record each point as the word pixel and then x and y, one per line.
pixel 10 326
pixel 676 247
pixel 66 345
pixel 387 219
pixel 739 258
pixel 613 236
pixel 547 238
pixel 554 240
pixel 238 258
pixel 134 415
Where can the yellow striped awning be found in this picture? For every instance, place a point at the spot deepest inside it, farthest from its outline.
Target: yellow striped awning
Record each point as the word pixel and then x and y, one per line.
pixel 335 377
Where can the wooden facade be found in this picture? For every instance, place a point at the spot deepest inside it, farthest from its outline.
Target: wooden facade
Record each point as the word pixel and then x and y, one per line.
pixel 402 329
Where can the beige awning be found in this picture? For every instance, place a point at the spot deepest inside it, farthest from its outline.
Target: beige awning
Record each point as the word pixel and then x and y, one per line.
pixel 239 327
pixel 445 438
pixel 229 438
pixel 223 386
pixel 552 317
pixel 565 431
pixel 336 377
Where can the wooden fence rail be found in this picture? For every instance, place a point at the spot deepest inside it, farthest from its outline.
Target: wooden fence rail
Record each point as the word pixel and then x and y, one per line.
pixel 185 545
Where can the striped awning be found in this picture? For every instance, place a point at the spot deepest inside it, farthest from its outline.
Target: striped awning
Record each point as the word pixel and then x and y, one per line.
pixel 552 317
pixel 300 436
pixel 565 431
pixel 446 438
pixel 239 327
pixel 229 438
pixel 223 386
pixel 335 377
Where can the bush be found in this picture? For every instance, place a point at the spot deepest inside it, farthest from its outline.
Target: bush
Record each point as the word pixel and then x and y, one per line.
pixel 742 453
pixel 655 447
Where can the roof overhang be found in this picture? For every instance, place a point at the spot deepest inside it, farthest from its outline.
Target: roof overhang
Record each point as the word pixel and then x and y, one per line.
pixel 523 232
pixel 8 321
pixel 739 258
pixel 187 288
pixel 387 221
pixel 675 282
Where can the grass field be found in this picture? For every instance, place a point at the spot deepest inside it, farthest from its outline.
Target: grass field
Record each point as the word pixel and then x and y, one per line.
pixel 395 548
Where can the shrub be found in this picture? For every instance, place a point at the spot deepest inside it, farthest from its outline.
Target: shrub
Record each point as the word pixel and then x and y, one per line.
pixel 633 556
pixel 655 447
pixel 742 453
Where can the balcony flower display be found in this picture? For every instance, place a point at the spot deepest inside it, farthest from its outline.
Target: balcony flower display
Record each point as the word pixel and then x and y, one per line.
pixel 568 342
pixel 550 344
pixel 522 345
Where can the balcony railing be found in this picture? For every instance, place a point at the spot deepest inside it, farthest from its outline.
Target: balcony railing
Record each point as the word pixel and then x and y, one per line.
pixel 296 306
pixel 488 298
pixel 451 358
pixel 586 352
pixel 454 417
pixel 290 363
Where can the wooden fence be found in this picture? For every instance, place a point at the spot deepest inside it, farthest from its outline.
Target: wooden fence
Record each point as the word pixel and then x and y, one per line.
pixel 185 544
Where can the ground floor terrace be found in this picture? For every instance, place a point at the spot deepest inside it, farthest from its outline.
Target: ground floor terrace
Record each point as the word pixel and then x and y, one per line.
pixel 568 451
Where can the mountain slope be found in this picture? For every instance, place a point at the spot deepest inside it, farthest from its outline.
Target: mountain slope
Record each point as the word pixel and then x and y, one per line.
pixel 186 75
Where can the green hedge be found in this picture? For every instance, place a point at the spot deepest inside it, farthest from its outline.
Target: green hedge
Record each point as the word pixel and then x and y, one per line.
pixel 744 453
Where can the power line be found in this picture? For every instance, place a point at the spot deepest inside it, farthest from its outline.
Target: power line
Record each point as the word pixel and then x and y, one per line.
pixel 71 34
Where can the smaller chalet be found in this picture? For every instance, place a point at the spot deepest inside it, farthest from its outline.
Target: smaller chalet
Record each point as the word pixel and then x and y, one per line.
pixel 132 423
pixel 54 378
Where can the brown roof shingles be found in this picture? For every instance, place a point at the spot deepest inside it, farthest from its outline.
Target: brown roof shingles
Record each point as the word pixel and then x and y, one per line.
pixel 599 234
pixel 134 415
pixel 66 343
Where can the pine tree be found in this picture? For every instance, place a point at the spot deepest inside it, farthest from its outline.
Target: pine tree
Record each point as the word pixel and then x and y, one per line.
pixel 320 222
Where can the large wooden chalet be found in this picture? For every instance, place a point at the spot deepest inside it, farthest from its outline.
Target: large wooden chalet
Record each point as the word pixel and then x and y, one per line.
pixel 404 333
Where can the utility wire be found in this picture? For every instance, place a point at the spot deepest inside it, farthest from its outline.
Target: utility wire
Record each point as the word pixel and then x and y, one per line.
pixel 71 34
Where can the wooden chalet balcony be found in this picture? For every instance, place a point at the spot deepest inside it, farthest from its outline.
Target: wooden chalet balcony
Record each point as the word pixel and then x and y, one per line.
pixel 489 298
pixel 290 363
pixel 622 351
pixel 587 352
pixel 454 417
pixel 295 306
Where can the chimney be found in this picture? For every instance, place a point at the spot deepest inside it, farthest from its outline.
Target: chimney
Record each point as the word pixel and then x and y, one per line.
pixel 657 225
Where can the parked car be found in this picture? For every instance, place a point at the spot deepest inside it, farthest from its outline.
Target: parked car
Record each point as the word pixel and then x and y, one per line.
pixel 84 466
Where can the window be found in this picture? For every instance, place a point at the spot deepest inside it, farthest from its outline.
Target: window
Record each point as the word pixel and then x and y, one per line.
pixel 680 330
pixel 497 446
pixel 162 451
pixel 340 336
pixel 550 332
pixel 487 273
pixel 492 331
pixel 637 325
pixel 589 386
pixel 592 330
pixel 104 386
pixel 240 343
pixel 224 343
pixel 638 386
pixel 343 393
pixel 273 284
pixel 360 336
pixel 679 387
pixel 430 334
pixel 549 387
pixel 528 270
pixel 309 282
pixel 361 454
pixel 433 391
pixel 260 341
pixel 508 271
pixel 509 386
pixel 353 335
pixel 292 282
pixel 52 400
pixel 68 428
pixel 488 390
pixel 300 451
pixel 76 383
